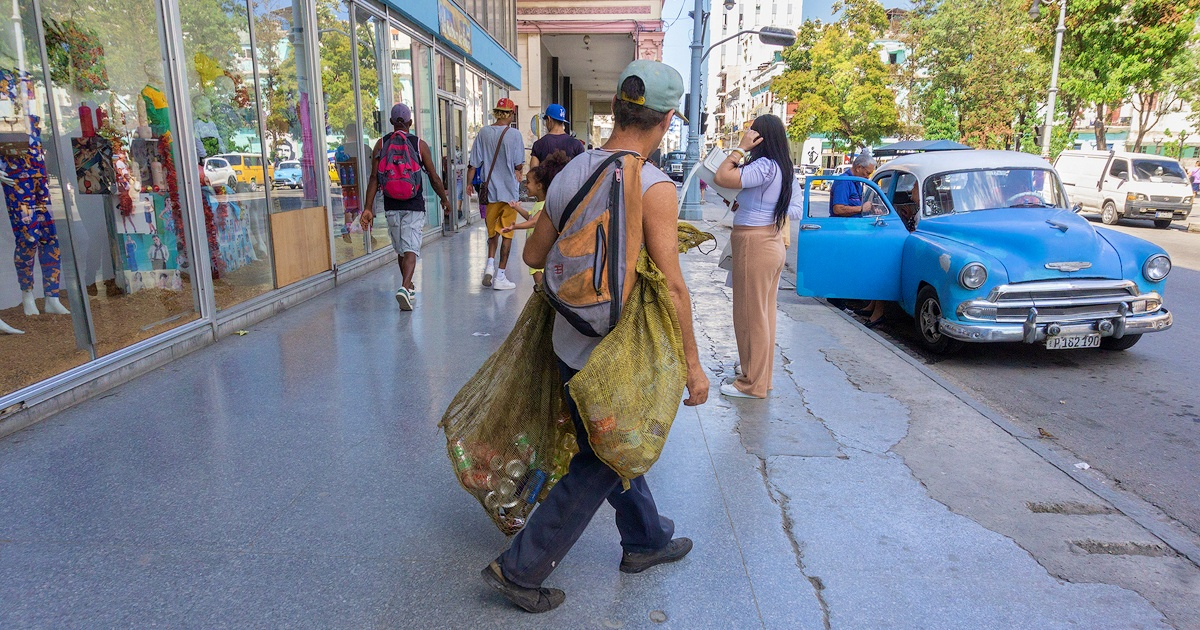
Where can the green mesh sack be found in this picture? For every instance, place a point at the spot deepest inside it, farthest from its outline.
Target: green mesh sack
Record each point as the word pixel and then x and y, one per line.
pixel 508 432
pixel 630 388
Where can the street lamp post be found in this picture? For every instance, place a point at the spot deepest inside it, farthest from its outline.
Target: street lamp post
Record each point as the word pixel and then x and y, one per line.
pixel 1048 129
pixel 770 35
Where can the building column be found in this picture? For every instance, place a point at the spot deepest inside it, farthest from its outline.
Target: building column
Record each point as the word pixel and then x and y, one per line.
pixel 650 45
pixel 581 115
pixel 529 98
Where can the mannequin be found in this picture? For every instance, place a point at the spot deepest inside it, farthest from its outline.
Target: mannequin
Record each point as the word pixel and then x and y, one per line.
pixel 27 194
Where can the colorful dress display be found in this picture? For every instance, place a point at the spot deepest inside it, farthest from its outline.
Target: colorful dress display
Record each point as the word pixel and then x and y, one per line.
pixel 28 200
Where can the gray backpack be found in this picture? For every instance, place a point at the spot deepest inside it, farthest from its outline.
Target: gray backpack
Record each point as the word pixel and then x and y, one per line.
pixel 599 238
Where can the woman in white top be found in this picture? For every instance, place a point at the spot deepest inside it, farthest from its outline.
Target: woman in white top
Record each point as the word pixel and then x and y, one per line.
pixel 769 194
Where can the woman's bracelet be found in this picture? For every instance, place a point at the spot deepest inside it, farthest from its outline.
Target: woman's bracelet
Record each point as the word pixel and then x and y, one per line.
pixel 740 150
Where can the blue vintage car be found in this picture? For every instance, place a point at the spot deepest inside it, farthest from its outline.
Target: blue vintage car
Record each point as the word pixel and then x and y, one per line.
pixel 981 246
pixel 288 174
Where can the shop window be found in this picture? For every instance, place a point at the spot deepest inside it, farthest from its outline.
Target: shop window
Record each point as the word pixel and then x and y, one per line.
pixel 370 32
pixel 116 114
pixel 43 330
pixel 343 134
pixel 233 180
pixel 410 72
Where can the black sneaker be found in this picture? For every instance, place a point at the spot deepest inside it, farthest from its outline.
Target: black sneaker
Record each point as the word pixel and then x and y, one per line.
pixel 534 600
pixel 638 562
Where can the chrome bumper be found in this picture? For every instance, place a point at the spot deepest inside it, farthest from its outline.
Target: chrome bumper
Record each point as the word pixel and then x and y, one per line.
pixel 1031 331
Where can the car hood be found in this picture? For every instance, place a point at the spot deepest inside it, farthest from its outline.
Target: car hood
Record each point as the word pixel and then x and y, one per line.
pixel 1025 240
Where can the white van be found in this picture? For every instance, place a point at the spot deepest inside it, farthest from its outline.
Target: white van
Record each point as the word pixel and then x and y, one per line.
pixel 1126 185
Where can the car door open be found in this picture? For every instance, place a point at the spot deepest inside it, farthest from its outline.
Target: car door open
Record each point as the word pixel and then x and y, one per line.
pixel 855 257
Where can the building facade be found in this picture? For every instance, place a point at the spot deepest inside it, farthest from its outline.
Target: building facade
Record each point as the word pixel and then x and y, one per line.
pixel 178 169
pixel 573 54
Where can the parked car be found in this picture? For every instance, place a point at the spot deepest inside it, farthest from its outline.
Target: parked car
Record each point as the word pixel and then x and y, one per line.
pixel 1127 185
pixel 674 165
pixel 250 169
pixel 288 174
pixel 219 173
pixel 823 184
pixel 981 246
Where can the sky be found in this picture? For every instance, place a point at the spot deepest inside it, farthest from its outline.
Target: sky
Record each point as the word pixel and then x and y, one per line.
pixel 679 32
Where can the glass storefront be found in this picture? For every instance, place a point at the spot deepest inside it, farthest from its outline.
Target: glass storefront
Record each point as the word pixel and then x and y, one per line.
pixel 139 135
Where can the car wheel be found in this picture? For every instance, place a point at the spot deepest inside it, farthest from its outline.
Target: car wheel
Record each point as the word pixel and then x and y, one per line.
pixel 928 314
pixel 1162 224
pixel 1124 343
pixel 1109 214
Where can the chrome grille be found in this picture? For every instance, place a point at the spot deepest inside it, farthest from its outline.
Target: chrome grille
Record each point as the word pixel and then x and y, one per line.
pixel 1062 301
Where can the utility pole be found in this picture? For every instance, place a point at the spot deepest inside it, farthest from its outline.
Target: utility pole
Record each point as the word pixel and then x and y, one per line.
pixel 691 197
pixel 1048 130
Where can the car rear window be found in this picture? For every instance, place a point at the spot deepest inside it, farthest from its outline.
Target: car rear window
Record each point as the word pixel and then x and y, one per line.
pixel 290 165
pixel 234 160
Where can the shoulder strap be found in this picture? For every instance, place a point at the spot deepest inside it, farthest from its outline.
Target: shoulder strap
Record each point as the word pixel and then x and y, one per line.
pixel 496 156
pixel 587 187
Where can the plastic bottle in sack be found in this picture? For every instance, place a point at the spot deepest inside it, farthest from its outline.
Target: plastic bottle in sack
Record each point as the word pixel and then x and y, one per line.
pixel 534 487
pixel 462 461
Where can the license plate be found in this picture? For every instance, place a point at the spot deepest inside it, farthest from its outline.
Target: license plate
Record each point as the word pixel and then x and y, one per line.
pixel 1161 214
pixel 1070 342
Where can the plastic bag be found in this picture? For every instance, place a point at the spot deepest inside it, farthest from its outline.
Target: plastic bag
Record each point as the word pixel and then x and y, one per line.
pixel 508 432
pixel 629 391
pixel 691 237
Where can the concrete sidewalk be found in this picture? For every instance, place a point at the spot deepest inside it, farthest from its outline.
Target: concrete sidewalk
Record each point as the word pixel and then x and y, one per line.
pixel 295 477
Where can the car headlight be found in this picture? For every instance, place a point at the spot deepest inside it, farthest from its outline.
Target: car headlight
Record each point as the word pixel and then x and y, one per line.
pixel 973 275
pixel 1135 197
pixel 1157 267
pixel 1186 200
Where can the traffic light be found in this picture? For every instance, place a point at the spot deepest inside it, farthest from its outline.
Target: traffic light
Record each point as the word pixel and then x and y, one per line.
pixel 703 123
pixel 1038 134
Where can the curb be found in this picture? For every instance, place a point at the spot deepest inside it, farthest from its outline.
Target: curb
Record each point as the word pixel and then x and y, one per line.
pixel 1139 510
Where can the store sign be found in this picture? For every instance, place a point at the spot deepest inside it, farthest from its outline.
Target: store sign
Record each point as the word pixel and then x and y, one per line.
pixel 454 25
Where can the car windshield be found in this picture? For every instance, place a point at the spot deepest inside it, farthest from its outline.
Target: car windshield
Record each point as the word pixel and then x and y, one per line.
pixel 295 165
pixel 235 160
pixel 215 163
pixel 1158 171
pixel 676 155
pixel 968 191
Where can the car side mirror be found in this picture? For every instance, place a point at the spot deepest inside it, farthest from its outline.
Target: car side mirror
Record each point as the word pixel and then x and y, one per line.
pixel 1123 176
pixel 1077 208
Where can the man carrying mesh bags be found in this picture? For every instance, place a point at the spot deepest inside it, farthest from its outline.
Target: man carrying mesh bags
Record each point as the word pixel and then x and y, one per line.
pixel 585 246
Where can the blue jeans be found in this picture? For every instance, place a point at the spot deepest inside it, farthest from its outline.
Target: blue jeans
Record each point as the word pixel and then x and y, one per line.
pixel 560 520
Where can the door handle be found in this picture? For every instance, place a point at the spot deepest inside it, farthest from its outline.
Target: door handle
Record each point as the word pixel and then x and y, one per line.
pixel 809 226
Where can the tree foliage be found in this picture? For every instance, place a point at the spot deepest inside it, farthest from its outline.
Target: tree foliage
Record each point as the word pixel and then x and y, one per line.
pixel 838 80
pixel 1116 49
pixel 978 72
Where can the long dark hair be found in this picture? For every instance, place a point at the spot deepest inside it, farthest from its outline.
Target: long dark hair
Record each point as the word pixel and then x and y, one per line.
pixel 774 147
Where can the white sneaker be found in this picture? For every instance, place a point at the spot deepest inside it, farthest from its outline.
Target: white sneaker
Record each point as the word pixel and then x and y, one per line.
pixel 732 392
pixel 404 299
pixel 488 273
pixel 503 284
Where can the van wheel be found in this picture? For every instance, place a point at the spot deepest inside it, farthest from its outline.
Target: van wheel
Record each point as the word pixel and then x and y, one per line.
pixel 1124 343
pixel 1109 214
pixel 1162 224
pixel 928 314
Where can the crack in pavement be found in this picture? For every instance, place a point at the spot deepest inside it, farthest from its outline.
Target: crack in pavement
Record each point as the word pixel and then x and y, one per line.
pixel 780 498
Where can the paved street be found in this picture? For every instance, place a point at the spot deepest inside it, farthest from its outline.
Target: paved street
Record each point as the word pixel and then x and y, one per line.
pixel 294 477
pixel 1133 416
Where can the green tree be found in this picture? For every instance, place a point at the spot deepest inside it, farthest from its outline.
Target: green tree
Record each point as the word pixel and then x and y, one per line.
pixel 980 71
pixel 1114 49
pixel 838 80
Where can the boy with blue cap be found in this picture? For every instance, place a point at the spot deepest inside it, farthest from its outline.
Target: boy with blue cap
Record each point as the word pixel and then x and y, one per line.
pixel 648 94
pixel 556 138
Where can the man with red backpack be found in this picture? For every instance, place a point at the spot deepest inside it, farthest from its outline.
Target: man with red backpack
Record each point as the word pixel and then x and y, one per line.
pixel 396 164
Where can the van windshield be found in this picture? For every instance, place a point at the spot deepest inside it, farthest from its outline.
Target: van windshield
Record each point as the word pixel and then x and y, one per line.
pixel 968 191
pixel 1164 171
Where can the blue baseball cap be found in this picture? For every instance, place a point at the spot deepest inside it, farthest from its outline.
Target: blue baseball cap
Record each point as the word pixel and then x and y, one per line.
pixel 556 112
